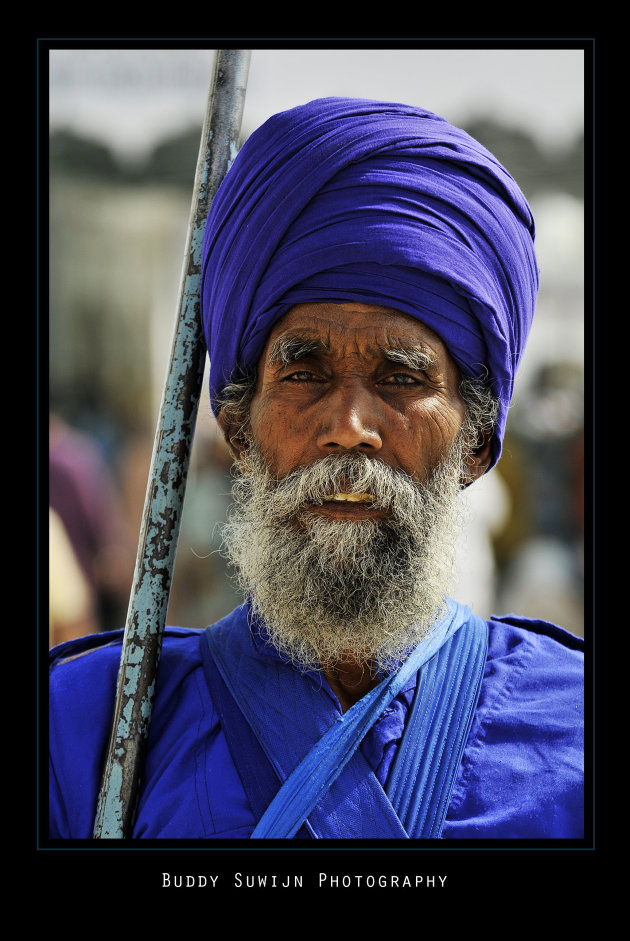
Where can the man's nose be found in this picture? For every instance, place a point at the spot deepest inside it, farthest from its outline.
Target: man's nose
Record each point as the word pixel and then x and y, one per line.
pixel 349 420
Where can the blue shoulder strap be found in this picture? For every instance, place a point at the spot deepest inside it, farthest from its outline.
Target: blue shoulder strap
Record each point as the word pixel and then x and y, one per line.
pixel 423 774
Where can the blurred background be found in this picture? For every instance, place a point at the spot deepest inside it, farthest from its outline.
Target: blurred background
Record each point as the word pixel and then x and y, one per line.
pixel 125 128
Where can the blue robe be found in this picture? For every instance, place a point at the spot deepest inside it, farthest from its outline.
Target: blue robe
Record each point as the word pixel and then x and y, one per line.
pixel 521 774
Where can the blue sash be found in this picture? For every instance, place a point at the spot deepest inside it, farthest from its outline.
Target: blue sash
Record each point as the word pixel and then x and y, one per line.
pixel 423 774
pixel 328 790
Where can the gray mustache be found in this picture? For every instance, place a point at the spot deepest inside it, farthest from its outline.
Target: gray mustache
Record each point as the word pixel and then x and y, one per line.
pixel 351 474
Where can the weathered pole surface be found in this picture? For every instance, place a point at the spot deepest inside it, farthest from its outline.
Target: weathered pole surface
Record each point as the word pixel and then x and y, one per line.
pixel 146 615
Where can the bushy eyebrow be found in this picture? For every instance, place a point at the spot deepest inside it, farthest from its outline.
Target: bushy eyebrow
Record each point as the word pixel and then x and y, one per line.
pixel 288 350
pixel 410 356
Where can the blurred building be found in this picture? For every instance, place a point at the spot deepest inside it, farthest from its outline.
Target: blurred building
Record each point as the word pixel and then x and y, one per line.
pixel 115 258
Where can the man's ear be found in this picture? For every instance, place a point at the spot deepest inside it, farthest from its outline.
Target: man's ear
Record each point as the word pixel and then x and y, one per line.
pixel 232 434
pixel 478 461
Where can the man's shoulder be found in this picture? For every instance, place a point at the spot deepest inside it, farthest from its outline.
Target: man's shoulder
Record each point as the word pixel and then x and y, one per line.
pixel 91 663
pixel 82 688
pixel 107 645
pixel 522 770
pixel 83 678
pixel 88 666
pixel 512 634
pixel 531 662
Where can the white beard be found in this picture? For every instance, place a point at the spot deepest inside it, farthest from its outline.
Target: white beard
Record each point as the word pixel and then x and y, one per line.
pixel 330 589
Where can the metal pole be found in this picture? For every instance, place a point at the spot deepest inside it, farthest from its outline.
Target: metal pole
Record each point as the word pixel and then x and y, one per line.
pixel 148 603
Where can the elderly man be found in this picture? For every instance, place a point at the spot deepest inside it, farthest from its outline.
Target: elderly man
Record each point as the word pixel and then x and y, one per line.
pixel 368 285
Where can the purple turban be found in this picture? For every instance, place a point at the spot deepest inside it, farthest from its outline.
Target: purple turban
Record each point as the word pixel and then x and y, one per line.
pixel 360 200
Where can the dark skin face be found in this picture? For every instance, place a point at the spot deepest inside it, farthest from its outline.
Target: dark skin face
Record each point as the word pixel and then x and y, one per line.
pixel 342 377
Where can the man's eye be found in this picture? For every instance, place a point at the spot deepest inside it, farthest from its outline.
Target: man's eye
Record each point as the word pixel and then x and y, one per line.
pixel 402 379
pixel 303 375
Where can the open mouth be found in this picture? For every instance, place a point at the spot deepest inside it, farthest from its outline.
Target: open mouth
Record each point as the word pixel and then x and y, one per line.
pixel 342 505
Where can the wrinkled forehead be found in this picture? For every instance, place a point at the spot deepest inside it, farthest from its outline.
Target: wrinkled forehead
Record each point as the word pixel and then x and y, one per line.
pixel 347 329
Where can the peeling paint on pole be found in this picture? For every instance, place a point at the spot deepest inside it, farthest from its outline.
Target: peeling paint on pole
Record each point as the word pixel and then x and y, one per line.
pixel 163 507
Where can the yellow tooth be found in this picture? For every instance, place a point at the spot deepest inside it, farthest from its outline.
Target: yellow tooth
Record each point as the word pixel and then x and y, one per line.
pixel 352 497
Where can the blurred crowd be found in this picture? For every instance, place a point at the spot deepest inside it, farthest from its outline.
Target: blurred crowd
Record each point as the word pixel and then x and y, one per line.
pixel 91 555
pixel 523 549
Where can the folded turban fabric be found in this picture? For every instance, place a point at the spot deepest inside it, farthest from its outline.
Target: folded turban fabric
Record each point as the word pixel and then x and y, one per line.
pixel 377 202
